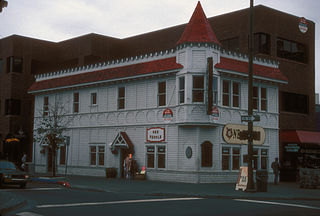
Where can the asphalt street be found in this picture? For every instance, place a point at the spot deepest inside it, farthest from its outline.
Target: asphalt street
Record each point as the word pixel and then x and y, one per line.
pixel 49 199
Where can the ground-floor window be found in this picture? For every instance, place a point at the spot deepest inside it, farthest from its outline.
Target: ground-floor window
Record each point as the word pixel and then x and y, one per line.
pixel 260 158
pixel 231 158
pixel 97 153
pixel 158 153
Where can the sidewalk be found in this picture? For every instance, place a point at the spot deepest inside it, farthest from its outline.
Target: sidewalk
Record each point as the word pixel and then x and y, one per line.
pixel 283 191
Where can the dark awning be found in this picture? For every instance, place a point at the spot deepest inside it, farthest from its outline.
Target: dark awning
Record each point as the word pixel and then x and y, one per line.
pixel 299 136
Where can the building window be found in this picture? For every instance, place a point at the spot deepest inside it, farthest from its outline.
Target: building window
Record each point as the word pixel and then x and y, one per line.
pixel 12 107
pixel 215 90
pixel 226 93
pixel 235 94
pixel 93 98
pixel 291 50
pixel 206 154
pixel 62 155
pixel 227 88
pixel 255 97
pixel 181 89
pixel 255 155
pixel 264 159
pixel 121 98
pixel 231 158
pixel 97 155
pixel 261 43
pixel 150 156
pixel 45 106
pixel 296 103
pixel 14 64
pixel 161 157
pixel 76 102
pixel 231 44
pixel 162 93
pixel 235 158
pixel 225 158
pixel 198 89
pixel 264 101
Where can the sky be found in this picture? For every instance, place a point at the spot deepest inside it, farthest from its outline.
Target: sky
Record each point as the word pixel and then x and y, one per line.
pixel 58 20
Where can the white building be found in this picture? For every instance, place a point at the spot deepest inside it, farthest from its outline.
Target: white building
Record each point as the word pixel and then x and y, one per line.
pixel 180 117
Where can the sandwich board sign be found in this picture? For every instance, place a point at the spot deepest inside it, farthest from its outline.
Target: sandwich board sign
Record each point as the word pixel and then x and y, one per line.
pixel 242 181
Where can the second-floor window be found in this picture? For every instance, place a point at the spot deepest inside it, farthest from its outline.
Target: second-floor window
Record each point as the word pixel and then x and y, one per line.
pixel 259 98
pixel 231 44
pixel 76 102
pixel 14 64
pixel 162 93
pixel 93 98
pixel 45 106
pixel 181 89
pixel 198 89
pixel 215 90
pixel 121 97
pixel 261 43
pixel 230 93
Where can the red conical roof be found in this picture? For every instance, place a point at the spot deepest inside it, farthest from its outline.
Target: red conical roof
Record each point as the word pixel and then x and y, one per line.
pixel 198 29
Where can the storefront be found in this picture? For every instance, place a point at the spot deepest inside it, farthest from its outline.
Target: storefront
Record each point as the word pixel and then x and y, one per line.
pixel 299 149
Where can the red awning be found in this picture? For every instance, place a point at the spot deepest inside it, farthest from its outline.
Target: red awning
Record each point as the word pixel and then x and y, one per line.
pixel 299 136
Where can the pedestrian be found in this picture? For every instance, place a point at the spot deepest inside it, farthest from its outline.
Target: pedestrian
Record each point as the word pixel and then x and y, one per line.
pixel 23 161
pixel 275 166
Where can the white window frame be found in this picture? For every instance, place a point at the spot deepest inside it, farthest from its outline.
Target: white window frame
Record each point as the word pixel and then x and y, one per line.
pixel 156 154
pixel 45 106
pixel 231 94
pixel 97 154
pixel 259 99
pixel 75 103
pixel 161 94
pixel 231 155
pixel 198 89
pixel 121 98
pixel 182 90
pixel 91 98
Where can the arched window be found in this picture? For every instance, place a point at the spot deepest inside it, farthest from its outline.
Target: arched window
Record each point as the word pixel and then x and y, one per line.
pixel 206 154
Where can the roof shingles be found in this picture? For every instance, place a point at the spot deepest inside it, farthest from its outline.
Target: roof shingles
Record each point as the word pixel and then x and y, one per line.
pixel 145 68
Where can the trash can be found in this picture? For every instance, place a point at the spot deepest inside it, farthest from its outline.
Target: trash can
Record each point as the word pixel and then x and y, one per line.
pixel 262 180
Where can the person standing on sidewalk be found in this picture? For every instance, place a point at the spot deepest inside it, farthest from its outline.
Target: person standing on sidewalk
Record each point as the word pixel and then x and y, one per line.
pixel 275 166
pixel 23 161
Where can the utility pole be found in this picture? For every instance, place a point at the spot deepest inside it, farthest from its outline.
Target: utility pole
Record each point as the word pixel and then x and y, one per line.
pixel 3 4
pixel 250 186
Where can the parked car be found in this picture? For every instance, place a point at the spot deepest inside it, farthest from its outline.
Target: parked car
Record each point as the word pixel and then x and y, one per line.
pixel 11 175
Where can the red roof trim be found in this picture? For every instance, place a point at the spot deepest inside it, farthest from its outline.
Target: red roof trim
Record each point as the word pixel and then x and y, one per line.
pixel 258 70
pixel 198 29
pixel 145 68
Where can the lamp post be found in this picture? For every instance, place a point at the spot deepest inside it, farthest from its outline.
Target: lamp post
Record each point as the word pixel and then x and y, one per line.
pixel 250 186
pixel 3 4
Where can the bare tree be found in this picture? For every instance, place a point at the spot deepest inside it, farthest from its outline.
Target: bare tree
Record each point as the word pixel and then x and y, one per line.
pixel 51 126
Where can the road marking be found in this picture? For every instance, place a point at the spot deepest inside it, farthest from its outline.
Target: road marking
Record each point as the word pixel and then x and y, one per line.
pixel 278 203
pixel 117 202
pixel 31 189
pixel 28 214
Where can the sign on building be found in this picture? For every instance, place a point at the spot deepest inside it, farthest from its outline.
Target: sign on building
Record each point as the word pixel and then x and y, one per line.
pixel 242 180
pixel 167 115
pixel 156 134
pixel 238 134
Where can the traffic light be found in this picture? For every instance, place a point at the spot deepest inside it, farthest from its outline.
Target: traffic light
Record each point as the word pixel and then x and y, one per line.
pixel 3 4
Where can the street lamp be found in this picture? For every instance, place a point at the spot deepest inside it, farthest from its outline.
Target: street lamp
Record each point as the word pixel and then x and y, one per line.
pixel 3 4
